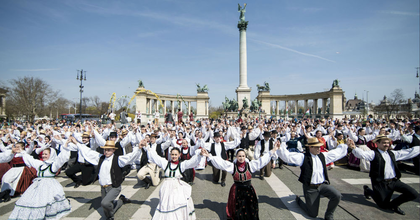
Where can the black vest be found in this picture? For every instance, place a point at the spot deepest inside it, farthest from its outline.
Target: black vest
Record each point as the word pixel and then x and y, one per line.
pixel 415 142
pixel 118 151
pixel 270 145
pixel 245 142
pixel 306 169
pixel 377 166
pixel 116 171
pixel 143 159
pixel 222 154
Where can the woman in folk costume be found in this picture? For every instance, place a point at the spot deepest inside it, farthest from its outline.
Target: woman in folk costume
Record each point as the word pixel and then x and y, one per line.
pixel 19 177
pixel 334 142
pixel 175 200
pixel 187 152
pixel 242 201
pixel 361 141
pixel 45 198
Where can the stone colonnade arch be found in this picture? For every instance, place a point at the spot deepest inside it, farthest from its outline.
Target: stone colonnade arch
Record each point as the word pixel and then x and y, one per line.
pixel 146 102
pixel 335 94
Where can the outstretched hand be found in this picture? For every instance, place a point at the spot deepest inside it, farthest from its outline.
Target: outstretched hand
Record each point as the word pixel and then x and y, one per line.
pixel 204 152
pixel 276 146
pixel 351 144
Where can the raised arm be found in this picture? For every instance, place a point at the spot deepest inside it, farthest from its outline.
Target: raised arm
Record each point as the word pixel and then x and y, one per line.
pixel 30 161
pixel 406 154
pixel 61 159
pixel 6 156
pixel 290 157
pixel 221 164
pixel 191 163
pixel 335 154
pixel 129 158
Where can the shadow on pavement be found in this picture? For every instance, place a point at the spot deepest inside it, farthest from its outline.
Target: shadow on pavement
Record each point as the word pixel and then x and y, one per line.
pixel 274 201
pixel 213 206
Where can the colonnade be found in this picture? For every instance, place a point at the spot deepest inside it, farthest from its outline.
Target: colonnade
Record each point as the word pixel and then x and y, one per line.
pixel 335 95
pixel 148 103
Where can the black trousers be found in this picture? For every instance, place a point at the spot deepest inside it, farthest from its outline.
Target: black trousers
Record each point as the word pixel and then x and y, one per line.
pixel 313 195
pixel 383 190
pixel 216 175
pixel 87 173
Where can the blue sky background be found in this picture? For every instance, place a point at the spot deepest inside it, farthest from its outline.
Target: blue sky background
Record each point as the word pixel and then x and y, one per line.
pixel 296 46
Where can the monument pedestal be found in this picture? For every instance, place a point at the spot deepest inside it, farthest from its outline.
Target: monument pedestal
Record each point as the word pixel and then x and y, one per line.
pixel 242 93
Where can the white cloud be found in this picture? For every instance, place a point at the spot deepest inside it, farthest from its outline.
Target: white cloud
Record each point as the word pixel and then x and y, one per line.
pixel 294 51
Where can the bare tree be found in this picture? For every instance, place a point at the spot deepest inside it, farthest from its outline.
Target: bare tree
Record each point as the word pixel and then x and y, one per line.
pixel 391 105
pixel 29 96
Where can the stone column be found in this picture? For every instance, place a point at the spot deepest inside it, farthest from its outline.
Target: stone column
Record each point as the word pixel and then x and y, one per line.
pixel 189 108
pixel 315 107
pixel 157 105
pixel 305 106
pixel 173 106
pixel 277 107
pixel 243 90
pixel 164 107
pixel 286 105
pixel 296 107
pixel 324 106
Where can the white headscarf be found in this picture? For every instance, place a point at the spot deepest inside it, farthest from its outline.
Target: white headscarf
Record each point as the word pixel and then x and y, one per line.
pixel 53 155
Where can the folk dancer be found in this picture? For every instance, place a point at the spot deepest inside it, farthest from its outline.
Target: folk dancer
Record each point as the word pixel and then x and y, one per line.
pixel 314 175
pixel 385 175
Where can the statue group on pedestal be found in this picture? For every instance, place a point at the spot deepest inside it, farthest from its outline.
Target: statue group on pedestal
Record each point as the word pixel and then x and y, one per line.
pixel 204 89
pixel 230 105
pixel 264 88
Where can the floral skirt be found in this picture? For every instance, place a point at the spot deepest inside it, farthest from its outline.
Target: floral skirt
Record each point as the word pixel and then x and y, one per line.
pixel 44 199
pixel 242 202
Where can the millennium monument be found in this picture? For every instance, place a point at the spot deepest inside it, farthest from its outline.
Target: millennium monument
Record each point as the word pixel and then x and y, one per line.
pixel 243 92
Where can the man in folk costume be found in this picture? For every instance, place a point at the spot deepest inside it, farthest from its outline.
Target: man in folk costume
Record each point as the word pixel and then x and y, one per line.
pixel 81 165
pixel 385 175
pixel 147 166
pixel 264 147
pixel 324 140
pixel 314 175
pixel 251 136
pixel 109 173
pixel 219 149
pixel 413 140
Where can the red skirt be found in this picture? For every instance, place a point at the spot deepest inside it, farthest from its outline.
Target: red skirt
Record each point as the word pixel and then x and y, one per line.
pixel 242 202
pixel 25 180
pixel 4 167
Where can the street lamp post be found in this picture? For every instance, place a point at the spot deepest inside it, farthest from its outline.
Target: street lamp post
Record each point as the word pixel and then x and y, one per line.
pixel 367 101
pixel 417 75
pixel 82 73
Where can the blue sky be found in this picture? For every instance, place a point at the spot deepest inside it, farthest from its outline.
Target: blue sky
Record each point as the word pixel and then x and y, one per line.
pixel 296 46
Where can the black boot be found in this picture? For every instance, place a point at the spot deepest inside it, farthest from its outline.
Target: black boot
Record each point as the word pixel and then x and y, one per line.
pixel 5 195
pixel 148 182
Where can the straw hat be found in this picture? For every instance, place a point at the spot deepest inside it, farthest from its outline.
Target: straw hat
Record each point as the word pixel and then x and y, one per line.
pixel 86 135
pixel 109 145
pixel 314 142
pixel 381 137
pixel 124 132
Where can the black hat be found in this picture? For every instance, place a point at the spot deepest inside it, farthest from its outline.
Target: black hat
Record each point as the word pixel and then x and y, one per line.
pixel 113 134
pixel 243 128
pixel 267 134
pixel 216 134
pixel 274 132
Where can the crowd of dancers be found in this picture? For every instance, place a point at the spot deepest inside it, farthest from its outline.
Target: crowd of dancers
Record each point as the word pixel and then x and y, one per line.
pixel 170 153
